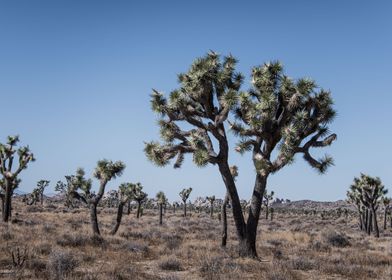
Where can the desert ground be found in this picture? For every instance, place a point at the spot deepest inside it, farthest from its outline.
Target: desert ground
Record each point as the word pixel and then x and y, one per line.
pixel 53 242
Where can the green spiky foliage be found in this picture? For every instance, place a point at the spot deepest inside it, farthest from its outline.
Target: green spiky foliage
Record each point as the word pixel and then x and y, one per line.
pixel 283 115
pixel 207 93
pixel 9 155
pixel 161 200
pixel 80 187
pixel 370 192
pixel 140 197
pixel 268 197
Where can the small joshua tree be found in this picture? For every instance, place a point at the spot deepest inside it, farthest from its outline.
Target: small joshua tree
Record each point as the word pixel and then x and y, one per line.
pixel 371 191
pixel 104 172
pixel 140 197
pixel 10 181
pixel 267 198
pixel 184 194
pixel 211 199
pixel 161 200
pixel 126 193
pixel 38 192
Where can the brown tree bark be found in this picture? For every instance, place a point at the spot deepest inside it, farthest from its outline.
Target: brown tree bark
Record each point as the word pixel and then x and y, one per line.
pixel 118 218
pixel 224 220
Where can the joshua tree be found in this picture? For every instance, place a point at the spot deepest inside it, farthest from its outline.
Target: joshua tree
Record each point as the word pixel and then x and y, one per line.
pixel 267 198
pixel 104 172
pixel 386 202
pixel 161 199
pixel 275 117
pixel 140 197
pixel 10 179
pixel 184 194
pixel 126 193
pixel 211 199
pixel 38 192
pixel 371 191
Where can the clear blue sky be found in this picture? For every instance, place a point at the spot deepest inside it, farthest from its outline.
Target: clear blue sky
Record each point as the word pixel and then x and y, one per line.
pixel 75 79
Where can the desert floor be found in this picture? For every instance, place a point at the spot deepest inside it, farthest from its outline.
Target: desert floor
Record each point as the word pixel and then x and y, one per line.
pixel 52 242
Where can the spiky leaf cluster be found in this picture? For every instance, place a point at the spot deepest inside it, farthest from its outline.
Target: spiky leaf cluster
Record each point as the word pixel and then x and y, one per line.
pixel 185 193
pixel 161 198
pixel 282 114
pixel 206 95
pixel 107 170
pixel 8 154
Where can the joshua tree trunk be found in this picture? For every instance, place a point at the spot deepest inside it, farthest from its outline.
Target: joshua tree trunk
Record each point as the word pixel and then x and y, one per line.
pixel 366 225
pixel 2 202
pixel 224 220
pixel 139 205
pixel 385 217
pixel 94 219
pixel 246 232
pixel 129 207
pixel 42 198
pixel 8 200
pixel 174 209
pixel 212 209
pixel 266 210
pixel 119 217
pixel 185 208
pixel 377 232
pixel 360 219
pixel 160 213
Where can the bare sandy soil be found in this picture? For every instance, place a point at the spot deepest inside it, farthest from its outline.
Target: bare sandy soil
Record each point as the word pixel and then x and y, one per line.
pixel 52 242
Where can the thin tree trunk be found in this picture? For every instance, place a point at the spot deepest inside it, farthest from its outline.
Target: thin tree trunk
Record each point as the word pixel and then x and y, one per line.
pixel 224 220
pixel 139 205
pixel 185 208
pixel 360 219
pixel 94 219
pixel 266 210
pixel 377 232
pixel 160 214
pixel 236 207
pixel 118 219
pixel 42 198
pixel 249 245
pixel 366 220
pixel 8 201
pixel 369 222
pixel 212 210
pixel 129 207
pixel 385 218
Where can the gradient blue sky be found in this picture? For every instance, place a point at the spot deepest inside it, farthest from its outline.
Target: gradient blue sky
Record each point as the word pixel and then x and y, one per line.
pixel 75 79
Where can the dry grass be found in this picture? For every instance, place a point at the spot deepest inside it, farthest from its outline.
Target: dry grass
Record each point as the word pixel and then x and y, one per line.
pixel 56 244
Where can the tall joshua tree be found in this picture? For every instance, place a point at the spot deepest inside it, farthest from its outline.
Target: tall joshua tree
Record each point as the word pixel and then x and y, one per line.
pixel 105 171
pixel 268 197
pixel 140 197
pixel 126 193
pixel 184 194
pixel 9 154
pixel 211 199
pixel 275 117
pixel 161 200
